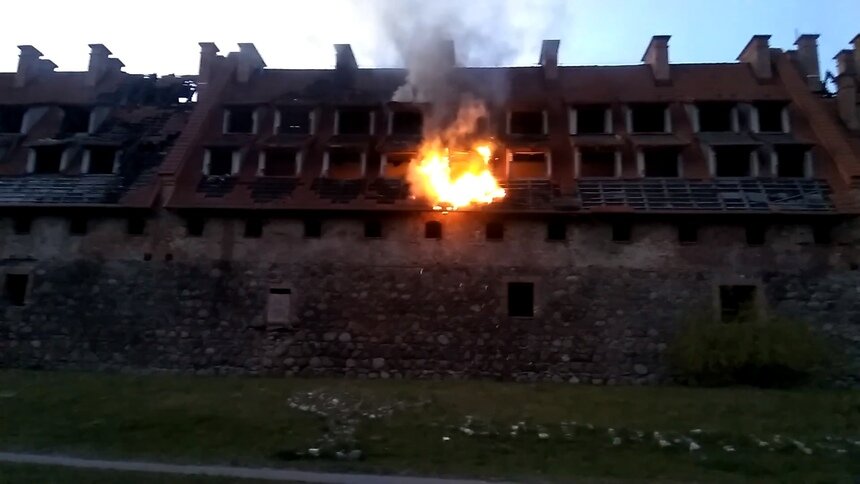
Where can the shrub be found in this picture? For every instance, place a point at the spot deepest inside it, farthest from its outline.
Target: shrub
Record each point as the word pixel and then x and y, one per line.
pixel 760 352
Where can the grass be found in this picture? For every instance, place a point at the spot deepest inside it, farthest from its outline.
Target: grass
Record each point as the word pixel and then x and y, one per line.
pixel 440 428
pixel 35 474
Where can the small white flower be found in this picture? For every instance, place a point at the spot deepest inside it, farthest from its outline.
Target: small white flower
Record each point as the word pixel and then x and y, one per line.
pixel 314 452
pixel 762 443
pixel 467 430
pixel 728 448
pixel 841 451
pixel 543 435
pixel 446 439
pixel 616 441
pixel 696 431
pixel 513 434
pixel 664 443
pixel 694 446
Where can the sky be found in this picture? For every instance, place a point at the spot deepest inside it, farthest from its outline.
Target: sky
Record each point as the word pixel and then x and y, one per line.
pixel 162 36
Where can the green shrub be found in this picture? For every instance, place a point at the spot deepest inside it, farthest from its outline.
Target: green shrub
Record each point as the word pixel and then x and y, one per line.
pixel 760 352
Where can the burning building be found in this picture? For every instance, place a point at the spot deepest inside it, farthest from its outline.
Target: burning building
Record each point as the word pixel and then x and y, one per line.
pixel 343 222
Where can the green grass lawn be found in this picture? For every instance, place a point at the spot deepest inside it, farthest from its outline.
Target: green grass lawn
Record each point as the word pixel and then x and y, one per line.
pixel 33 474
pixel 514 431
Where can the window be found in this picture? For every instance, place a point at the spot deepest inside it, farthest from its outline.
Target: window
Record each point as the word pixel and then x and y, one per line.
pixel 715 117
pixel 597 163
pixel 732 161
pixel 48 160
pixel 622 232
pixel 495 231
pixel 11 118
pixel 433 230
pixel 756 234
pixel 136 225
pixel 407 123
pixel 525 165
pixel 194 226
pixel 660 162
pixel 76 119
pixel 295 121
pixel 313 228
pixel 527 123
pixel 22 225
pixel 102 160
pixel 78 226
pixel 593 120
pixel 239 120
pixel 556 230
pixel 822 233
pixel 278 305
pixel 791 162
pixel 345 164
pixel 397 165
pixel 521 299
pixel 770 117
pixel 15 289
pixel 688 233
pixel 354 121
pixel 281 162
pixel 737 302
pixel 372 229
pixel 648 118
pixel 220 162
pixel 253 228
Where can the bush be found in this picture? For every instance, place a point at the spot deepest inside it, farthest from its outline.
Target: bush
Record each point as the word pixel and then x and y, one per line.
pixel 760 352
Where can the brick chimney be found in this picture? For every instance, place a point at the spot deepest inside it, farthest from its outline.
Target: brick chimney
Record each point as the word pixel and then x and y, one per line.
pixel 101 64
pixel 549 58
pixel 757 55
pixel 31 65
pixel 249 62
pixel 345 65
pixel 846 97
pixel 856 42
pixel 807 57
pixel 657 56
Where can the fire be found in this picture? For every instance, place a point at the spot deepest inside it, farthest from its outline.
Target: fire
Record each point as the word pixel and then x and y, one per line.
pixel 452 172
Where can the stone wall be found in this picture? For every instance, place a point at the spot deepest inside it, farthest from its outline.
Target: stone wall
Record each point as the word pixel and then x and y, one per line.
pixel 404 306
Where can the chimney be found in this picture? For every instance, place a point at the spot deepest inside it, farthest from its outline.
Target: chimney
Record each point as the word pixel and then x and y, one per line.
pixel 807 57
pixel 30 65
pixel 856 42
pixel 250 61
pixel 549 58
pixel 101 64
pixel 449 53
pixel 345 65
pixel 657 56
pixel 757 55
pixel 846 97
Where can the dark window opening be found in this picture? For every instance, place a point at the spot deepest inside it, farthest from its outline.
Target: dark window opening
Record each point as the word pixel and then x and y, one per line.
pixel 649 118
pixel 147 256
pixel 433 230
pixel 526 165
pixel 495 231
pixel 732 161
pixel 353 121
pixel 688 233
pixel 220 161
pixel 822 234
pixel 295 121
pixel 16 288
pixel 521 299
pixel 78 226
pixel 76 119
pixel 770 117
pixel 136 225
pixel 22 225
pixel 102 160
pixel 622 232
pixel 791 162
pixel 344 163
pixel 591 119
pixel 715 117
pixel 281 162
pixel 397 165
pixel 737 302
pixel 556 231
pixel 253 228
pixel 596 163
pixel 373 229
pixel 282 291
pixel 756 234
pixel 11 119
pixel 240 120
pixel 313 228
pixel 194 226
pixel 661 162
pixel 406 122
pixel 527 122
pixel 48 159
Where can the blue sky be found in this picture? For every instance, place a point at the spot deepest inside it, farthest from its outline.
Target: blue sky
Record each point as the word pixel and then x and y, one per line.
pixel 298 33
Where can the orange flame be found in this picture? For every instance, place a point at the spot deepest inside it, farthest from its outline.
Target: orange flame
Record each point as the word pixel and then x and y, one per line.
pixel 452 177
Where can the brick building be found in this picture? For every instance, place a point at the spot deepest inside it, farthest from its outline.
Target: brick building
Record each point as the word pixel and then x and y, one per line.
pixel 254 220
